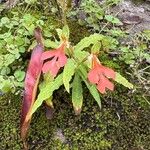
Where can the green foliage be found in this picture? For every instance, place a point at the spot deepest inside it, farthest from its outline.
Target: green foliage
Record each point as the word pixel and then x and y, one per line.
pixel 77 94
pixel 92 88
pixel 96 48
pixel 87 41
pixel 77 63
pixel 137 54
pixel 50 44
pixel 81 55
pixel 46 91
pixel 66 32
pixel 68 72
pixel 14 42
pixel 116 32
pixel 92 13
pixel 120 79
pixel 16 39
pixel 94 92
pixel 16 36
pixel 97 17
pixel 107 42
pixel 112 19
pixel 30 1
pixel 146 33
pixel 19 75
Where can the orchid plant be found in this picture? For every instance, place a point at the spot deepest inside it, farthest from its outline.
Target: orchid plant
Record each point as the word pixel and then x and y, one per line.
pixel 66 65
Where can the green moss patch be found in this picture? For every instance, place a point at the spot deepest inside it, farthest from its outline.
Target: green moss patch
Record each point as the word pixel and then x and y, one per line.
pixel 121 125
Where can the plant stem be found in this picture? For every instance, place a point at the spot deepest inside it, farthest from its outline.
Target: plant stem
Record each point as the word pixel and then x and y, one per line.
pixel 56 4
pixel 63 5
pixel 64 11
pixel 26 8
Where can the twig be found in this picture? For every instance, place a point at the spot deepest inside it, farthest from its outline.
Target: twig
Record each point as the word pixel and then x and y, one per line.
pixel 109 22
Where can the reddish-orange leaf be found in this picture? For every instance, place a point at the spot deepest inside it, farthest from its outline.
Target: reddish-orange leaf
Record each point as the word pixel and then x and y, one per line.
pixel 57 60
pixel 99 75
pixel 31 83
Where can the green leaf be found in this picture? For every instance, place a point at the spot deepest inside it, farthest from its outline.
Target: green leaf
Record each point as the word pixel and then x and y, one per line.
pixel 19 75
pixel 109 18
pixel 120 79
pixel 87 41
pixel 96 48
pixel 5 20
pixel 46 91
pixel 68 72
pixel 112 19
pixel 92 88
pixel 94 92
pixel 50 44
pixel 33 44
pixel 81 55
pixel 9 58
pixel 5 35
pixel 19 41
pixel 5 70
pixel 47 32
pixel 7 86
pixel 66 32
pixel 77 94
pixel 59 32
pixel 83 71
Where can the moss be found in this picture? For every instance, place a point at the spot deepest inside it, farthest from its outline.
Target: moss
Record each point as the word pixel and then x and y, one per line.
pixel 80 132
pixel 9 122
pixel 77 32
pixel 132 128
pixel 138 2
pixel 121 124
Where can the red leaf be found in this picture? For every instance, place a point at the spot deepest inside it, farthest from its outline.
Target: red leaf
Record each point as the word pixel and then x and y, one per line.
pixel 31 83
pixel 93 76
pixel 98 75
pixel 103 84
pixel 57 60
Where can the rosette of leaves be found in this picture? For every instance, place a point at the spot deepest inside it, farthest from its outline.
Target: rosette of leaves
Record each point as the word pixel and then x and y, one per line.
pixel 76 69
pixel 70 66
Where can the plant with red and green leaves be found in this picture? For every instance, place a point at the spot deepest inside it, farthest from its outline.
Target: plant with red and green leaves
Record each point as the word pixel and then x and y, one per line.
pixel 67 65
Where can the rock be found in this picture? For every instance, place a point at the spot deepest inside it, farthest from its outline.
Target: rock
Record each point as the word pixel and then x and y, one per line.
pixel 131 19
pixel 8 4
pixel 131 14
pixel 59 135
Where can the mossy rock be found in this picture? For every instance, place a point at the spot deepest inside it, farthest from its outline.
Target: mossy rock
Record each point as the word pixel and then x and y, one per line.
pixel 121 125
